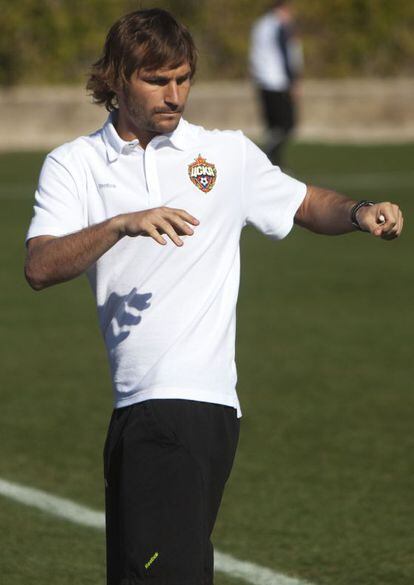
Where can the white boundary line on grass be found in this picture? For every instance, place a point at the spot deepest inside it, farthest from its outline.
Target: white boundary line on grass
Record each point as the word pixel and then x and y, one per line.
pixel 63 508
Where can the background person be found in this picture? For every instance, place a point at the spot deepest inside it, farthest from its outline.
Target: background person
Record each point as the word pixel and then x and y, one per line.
pixel 118 205
pixel 275 66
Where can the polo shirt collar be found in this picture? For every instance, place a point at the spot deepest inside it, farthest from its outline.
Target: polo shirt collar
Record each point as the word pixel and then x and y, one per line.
pixel 113 142
pixel 180 138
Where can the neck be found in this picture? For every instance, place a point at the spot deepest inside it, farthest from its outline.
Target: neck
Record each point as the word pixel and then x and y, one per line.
pixel 128 131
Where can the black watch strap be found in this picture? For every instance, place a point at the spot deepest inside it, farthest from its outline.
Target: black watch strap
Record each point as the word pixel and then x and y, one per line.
pixel 356 208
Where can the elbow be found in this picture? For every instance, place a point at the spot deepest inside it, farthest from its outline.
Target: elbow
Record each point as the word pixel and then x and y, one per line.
pixel 304 221
pixel 33 279
pixel 36 267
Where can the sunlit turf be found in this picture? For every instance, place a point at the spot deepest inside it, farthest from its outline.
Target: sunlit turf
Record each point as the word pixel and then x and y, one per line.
pixel 323 481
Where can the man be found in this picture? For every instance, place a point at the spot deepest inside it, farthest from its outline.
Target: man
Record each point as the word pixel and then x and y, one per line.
pixel 275 66
pixel 151 208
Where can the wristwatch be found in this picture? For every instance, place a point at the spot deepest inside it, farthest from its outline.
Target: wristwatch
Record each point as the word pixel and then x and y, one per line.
pixel 356 208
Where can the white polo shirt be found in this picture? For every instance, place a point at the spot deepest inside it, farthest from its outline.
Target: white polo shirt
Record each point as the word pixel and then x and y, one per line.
pixel 167 314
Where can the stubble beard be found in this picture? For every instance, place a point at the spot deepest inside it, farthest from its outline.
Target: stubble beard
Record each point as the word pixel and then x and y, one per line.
pixel 145 121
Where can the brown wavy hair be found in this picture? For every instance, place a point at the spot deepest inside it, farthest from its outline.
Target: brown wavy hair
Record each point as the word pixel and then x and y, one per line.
pixel 149 39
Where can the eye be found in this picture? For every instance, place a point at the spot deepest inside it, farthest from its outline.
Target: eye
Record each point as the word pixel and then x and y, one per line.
pixel 157 81
pixel 183 79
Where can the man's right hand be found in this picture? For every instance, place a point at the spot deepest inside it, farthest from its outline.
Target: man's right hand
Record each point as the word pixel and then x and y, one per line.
pixel 157 221
pixel 52 259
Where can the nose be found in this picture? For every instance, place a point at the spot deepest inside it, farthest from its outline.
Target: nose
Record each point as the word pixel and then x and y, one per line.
pixel 171 95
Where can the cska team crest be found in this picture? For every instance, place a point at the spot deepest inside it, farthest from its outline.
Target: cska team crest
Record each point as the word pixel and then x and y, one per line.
pixel 203 174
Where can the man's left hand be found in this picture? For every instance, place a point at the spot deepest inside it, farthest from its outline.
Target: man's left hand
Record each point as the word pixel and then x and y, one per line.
pixel 383 220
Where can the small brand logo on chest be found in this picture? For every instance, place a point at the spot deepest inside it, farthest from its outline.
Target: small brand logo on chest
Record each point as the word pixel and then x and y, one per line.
pixel 106 186
pixel 202 174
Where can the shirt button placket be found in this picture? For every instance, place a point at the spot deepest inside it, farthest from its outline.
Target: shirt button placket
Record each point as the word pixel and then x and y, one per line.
pixel 151 175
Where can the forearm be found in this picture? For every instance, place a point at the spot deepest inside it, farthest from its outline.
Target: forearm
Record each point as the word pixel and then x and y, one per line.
pixel 325 212
pixel 52 260
pixel 58 259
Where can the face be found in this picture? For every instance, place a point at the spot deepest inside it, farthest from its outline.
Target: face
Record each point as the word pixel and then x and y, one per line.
pixel 153 101
pixel 286 13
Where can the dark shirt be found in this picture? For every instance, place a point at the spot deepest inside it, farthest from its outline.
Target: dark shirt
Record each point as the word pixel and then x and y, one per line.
pixel 284 34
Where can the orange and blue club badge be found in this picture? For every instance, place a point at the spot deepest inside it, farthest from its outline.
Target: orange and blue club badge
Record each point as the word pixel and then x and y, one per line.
pixel 203 174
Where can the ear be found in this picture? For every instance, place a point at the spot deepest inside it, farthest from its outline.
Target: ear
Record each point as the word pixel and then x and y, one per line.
pixel 120 90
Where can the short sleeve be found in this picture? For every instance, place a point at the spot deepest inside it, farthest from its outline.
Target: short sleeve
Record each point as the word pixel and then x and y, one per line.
pixel 270 197
pixel 58 209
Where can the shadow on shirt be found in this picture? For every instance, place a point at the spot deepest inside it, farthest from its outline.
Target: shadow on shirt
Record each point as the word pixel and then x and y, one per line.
pixel 120 314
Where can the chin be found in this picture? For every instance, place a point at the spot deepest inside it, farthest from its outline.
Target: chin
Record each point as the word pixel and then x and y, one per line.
pixel 168 125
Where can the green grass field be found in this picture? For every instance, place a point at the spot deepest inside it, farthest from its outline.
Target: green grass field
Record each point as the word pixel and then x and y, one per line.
pixel 323 483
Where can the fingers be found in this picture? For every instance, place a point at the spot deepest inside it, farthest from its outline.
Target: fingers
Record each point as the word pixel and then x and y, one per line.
pixel 153 233
pixel 395 229
pixel 182 228
pixel 174 224
pixel 383 220
pixel 167 228
pixel 392 221
pixel 161 220
pixel 184 215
